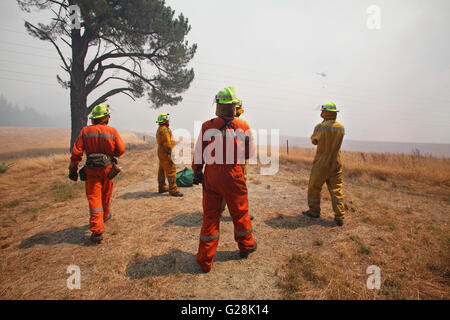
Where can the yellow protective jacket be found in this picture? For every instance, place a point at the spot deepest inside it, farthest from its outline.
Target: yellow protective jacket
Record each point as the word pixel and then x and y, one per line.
pixel 328 136
pixel 165 141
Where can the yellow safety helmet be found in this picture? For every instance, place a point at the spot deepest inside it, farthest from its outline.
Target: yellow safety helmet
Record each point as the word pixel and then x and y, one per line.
pixel 163 117
pixel 329 106
pixel 227 96
pixel 100 111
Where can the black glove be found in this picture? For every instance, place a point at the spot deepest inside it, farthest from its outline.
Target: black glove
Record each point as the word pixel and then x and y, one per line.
pixel 82 174
pixel 198 177
pixel 73 176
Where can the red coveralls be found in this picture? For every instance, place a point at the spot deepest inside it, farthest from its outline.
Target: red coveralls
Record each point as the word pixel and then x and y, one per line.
pixel 99 138
pixel 223 179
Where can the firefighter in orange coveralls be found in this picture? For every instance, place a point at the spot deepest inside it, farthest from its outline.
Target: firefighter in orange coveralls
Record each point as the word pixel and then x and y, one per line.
pixel 223 145
pixel 167 168
pixel 239 112
pixel 101 143
pixel 327 165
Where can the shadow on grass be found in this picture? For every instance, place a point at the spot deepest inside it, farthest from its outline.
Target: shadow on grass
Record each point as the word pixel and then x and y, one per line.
pixel 299 221
pixel 174 262
pixel 193 219
pixel 72 235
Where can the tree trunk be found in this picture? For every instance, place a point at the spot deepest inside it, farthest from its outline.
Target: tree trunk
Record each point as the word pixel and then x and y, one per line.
pixel 78 110
pixel 78 94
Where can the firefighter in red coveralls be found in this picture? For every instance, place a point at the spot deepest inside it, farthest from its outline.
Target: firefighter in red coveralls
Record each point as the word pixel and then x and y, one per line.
pixel 223 145
pixel 101 143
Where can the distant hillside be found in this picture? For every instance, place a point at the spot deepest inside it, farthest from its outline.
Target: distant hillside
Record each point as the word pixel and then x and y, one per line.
pixel 16 116
pixel 425 149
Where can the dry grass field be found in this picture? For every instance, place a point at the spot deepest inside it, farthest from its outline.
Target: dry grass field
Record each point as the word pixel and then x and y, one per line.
pixel 397 219
pixel 23 142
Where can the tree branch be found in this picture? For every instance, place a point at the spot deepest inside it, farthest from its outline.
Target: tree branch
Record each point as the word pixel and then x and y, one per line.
pixel 53 42
pixel 104 97
pixel 107 79
pixel 110 55
pixel 131 72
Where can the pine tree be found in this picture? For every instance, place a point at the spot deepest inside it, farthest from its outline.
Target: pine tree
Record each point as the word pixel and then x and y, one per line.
pixel 114 42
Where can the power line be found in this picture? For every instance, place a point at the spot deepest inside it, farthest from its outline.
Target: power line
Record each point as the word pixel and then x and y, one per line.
pixel 232 67
pixel 21 80
pixel 27 46
pixel 26 73
pixel 362 94
pixel 27 64
pixel 28 54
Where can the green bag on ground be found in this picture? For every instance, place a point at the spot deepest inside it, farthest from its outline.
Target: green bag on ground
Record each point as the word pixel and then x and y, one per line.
pixel 185 178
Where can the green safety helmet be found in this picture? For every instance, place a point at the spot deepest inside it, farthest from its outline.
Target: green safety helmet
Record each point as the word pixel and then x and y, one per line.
pixel 163 117
pixel 100 111
pixel 227 96
pixel 329 106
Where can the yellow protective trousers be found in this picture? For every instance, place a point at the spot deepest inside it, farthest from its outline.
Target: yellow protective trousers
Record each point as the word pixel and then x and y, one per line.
pixel 167 168
pixel 327 167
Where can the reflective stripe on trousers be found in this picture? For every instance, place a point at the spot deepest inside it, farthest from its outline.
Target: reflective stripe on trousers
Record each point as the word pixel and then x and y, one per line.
pixel 243 233
pixel 96 210
pixel 209 238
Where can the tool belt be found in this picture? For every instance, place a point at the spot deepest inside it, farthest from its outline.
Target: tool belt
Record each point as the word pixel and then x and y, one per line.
pixel 115 170
pixel 99 160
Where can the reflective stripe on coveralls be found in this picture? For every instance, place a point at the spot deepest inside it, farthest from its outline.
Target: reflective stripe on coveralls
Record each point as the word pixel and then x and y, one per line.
pixel 327 167
pixel 99 135
pixel 243 233
pixel 209 238
pixel 96 210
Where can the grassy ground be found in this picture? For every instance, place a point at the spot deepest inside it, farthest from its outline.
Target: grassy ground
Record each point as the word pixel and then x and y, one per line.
pixel 397 220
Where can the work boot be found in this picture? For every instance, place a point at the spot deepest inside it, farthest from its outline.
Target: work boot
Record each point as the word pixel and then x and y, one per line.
pixel 176 194
pixel 163 190
pixel 310 214
pixel 97 238
pixel 339 222
pixel 244 254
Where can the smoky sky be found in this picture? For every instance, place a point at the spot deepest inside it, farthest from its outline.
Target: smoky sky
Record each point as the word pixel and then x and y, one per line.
pixel 284 58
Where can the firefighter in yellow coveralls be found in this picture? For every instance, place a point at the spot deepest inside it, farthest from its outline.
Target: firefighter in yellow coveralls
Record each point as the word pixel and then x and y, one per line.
pixel 327 165
pixel 167 169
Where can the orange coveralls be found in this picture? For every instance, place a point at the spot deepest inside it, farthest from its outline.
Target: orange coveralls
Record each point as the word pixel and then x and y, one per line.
pixel 99 138
pixel 223 179
pixel 166 168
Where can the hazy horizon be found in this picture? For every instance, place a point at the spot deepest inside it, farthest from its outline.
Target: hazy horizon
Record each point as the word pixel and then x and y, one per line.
pixel 284 58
